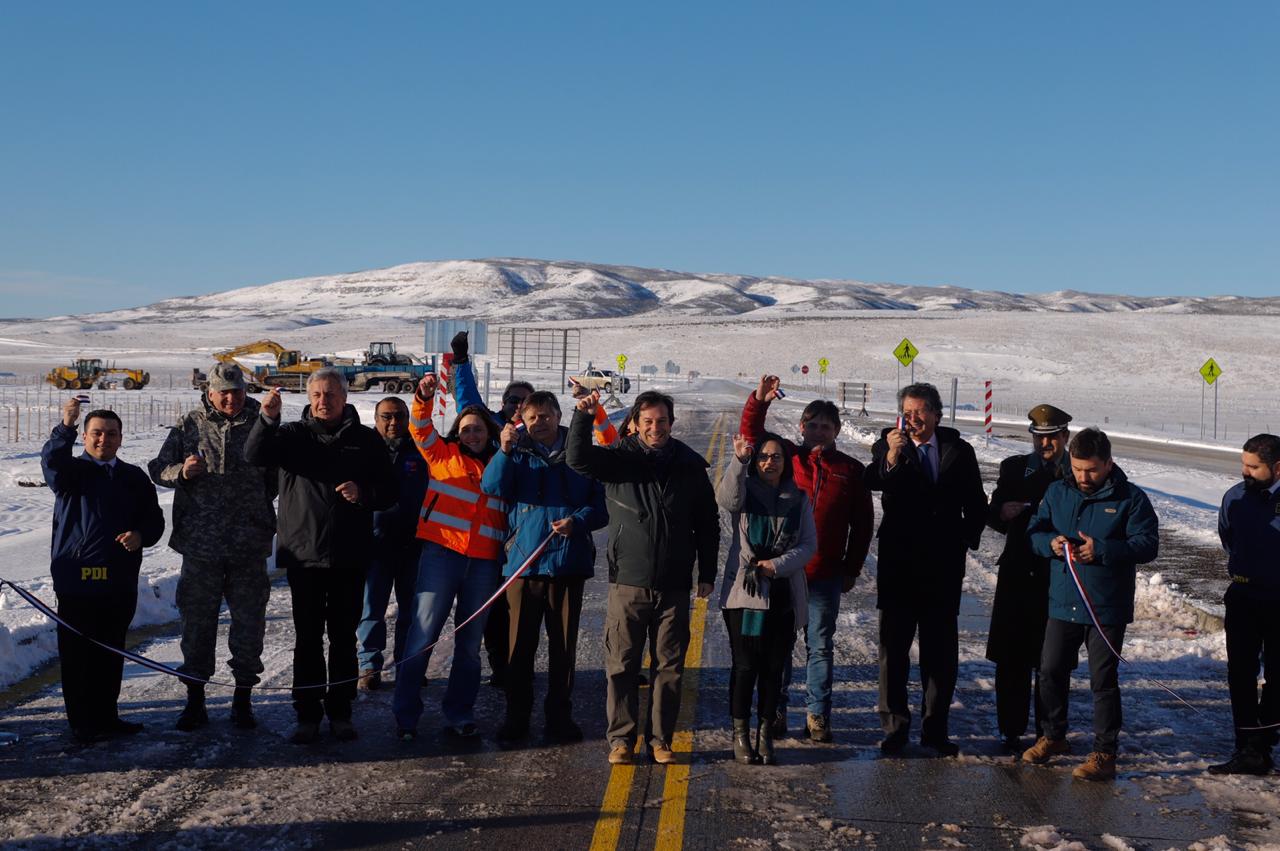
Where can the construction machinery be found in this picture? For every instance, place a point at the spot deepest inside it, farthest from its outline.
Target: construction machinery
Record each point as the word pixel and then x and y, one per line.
pixel 290 370
pixel 384 354
pixel 84 373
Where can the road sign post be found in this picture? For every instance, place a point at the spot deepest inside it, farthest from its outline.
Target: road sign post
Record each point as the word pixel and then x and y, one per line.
pixel 823 363
pixel 906 354
pixel 988 411
pixel 1210 372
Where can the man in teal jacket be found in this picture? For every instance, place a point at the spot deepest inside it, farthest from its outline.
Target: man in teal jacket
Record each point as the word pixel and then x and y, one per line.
pixel 1111 528
pixel 545 496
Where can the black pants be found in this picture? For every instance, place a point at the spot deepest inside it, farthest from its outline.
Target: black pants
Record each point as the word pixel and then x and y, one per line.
pixel 1253 643
pixel 1060 656
pixel 497 634
pixel 533 602
pixel 939 664
pixel 91 675
pixel 1017 689
pixel 760 661
pixel 325 600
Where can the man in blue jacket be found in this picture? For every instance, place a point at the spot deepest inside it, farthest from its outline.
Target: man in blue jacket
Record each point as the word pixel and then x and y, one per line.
pixel 545 496
pixel 1249 526
pixel 1110 527
pixel 104 513
pixel 396 548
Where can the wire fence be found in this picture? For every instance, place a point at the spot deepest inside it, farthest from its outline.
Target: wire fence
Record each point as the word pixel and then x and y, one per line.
pixel 30 412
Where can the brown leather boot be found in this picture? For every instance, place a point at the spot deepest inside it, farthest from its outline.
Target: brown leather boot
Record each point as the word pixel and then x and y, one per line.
pixel 1099 766
pixel 1044 748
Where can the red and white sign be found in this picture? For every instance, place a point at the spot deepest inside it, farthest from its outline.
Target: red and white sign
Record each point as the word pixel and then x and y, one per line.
pixel 988 423
pixel 805 369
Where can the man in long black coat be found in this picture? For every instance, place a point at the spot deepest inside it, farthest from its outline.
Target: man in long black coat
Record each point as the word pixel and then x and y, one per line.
pixel 934 510
pixel 1021 606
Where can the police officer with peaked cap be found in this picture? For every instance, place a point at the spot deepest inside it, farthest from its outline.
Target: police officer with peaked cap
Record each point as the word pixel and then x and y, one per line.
pixel 1020 609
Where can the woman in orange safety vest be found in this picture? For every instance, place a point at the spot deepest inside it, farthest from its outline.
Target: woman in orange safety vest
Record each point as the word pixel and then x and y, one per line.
pixel 463 530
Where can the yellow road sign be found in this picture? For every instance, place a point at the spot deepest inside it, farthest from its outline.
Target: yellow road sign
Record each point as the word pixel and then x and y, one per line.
pixel 622 363
pixel 1210 371
pixel 823 363
pixel 906 352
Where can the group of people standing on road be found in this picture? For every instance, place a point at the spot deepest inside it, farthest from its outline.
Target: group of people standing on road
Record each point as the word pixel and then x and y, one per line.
pixel 507 501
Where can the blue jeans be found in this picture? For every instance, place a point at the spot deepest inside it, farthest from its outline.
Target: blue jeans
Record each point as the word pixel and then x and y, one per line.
pixel 444 577
pixel 819 639
pixel 394 568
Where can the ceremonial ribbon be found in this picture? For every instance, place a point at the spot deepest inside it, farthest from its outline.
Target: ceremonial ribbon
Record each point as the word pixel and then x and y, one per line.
pixel 1067 551
pixel 40 606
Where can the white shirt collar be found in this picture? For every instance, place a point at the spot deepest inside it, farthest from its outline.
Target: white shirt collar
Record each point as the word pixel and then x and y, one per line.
pixel 932 441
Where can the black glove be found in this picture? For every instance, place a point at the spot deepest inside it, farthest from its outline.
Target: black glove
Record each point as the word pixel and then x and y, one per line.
pixel 751 578
pixel 459 346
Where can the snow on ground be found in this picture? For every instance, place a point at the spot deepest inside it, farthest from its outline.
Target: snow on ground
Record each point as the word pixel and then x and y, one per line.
pixel 1164 751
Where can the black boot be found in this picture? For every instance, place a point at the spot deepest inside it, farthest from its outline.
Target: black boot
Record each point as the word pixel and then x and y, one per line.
pixel 193 715
pixel 742 750
pixel 241 710
pixel 764 743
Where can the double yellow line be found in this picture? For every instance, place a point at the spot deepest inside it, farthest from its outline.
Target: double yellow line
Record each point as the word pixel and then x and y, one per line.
pixel 675 789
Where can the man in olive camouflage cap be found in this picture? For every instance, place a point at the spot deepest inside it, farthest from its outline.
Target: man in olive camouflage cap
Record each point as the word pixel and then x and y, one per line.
pixel 1021 606
pixel 223 523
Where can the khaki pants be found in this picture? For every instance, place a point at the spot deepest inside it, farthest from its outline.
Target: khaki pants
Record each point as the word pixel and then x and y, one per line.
pixel 634 616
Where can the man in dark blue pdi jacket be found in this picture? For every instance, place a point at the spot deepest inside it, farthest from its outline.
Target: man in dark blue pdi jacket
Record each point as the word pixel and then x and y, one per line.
pixel 105 512
pixel 1111 528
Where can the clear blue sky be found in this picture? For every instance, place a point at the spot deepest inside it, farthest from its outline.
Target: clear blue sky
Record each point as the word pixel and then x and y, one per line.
pixel 157 149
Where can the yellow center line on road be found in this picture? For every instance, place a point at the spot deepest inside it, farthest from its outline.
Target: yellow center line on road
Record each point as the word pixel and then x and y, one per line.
pixel 675 790
pixel 613 808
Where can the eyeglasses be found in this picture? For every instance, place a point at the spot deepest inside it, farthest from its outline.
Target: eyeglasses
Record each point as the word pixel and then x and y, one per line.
pixel 769 456
pixel 393 416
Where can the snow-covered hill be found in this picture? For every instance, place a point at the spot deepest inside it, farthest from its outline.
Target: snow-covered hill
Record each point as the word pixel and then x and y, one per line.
pixel 537 290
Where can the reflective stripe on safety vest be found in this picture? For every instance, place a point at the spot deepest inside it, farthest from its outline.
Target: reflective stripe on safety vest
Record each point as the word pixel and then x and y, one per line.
pixel 455 513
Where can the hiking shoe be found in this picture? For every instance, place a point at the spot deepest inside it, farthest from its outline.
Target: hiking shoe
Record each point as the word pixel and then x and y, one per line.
pixel 1244 761
pixel 343 731
pixel 241 710
pixel 1098 766
pixel 662 754
pixel 620 755
pixel 1044 748
pixel 306 733
pixel 370 680
pixel 819 728
pixel 406 734
pixel 88 735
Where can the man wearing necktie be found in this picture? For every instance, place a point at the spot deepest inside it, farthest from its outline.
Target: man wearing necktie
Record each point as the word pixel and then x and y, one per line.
pixel 934 509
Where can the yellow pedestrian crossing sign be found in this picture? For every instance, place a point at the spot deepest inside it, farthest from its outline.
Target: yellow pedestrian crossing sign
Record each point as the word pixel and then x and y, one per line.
pixel 622 363
pixel 823 363
pixel 906 352
pixel 1210 371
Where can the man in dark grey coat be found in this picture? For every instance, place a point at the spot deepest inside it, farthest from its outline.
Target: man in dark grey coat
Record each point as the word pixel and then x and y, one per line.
pixel 223 523
pixel 662 519
pixel 334 473
pixel 934 510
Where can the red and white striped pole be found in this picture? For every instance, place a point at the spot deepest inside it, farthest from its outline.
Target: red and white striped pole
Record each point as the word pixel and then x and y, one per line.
pixel 988 421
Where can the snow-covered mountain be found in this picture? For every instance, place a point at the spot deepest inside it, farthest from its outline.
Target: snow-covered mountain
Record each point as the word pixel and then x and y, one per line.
pixel 509 289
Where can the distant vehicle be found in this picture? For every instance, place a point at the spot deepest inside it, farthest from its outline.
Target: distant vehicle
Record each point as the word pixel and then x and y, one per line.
pixel 384 354
pixel 84 373
pixel 603 379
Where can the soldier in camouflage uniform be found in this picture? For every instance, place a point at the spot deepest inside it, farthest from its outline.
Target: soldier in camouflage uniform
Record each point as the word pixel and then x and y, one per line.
pixel 223 523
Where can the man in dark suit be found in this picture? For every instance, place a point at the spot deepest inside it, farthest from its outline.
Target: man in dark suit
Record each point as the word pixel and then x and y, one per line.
pixel 934 510
pixel 1021 605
